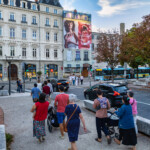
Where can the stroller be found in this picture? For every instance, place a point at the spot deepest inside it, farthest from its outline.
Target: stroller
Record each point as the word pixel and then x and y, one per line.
pixel 112 124
pixel 52 118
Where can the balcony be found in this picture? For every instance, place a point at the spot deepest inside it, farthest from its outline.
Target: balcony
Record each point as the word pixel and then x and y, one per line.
pixel 47 25
pixel 55 26
pixel 12 20
pixel 24 22
pixel 77 59
pixel 86 59
pixel 33 23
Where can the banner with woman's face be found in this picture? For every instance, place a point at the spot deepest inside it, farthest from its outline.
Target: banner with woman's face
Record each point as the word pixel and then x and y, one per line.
pixel 77 34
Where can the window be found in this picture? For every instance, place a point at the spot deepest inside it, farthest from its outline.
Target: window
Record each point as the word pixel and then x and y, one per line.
pixel 0 31
pixel 34 52
pixel 12 32
pixel 55 53
pixel 23 18
pixel 55 11
pixel 47 35
pixel 55 37
pixel 78 55
pixel 11 2
pixel 12 16
pixel 33 20
pixel 55 23
pixel 47 21
pixel 77 67
pixel 33 7
pixel 47 9
pixel 24 34
pixel 23 5
pixel 47 53
pixel 0 15
pixel 1 53
pixel 23 52
pixel 92 46
pixel 34 34
pixel 86 56
pixel 68 65
pixel 0 1
pixel 12 51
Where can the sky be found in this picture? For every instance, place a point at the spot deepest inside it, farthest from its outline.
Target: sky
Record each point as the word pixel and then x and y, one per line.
pixel 108 14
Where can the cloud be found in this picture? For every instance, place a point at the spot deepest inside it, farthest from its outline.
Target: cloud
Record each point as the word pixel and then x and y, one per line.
pixel 68 4
pixel 109 7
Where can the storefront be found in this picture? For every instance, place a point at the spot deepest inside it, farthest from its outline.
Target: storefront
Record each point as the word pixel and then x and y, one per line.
pixel 30 71
pixel 51 71
pixel 1 72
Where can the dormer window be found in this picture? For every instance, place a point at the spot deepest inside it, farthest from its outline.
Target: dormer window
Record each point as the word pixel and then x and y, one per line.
pixel 23 5
pixel 33 7
pixel 11 2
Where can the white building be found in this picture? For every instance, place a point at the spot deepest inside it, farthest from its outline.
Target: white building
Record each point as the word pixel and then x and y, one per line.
pixel 31 32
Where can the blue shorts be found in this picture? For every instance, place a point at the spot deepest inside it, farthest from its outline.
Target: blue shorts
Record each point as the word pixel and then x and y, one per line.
pixel 60 117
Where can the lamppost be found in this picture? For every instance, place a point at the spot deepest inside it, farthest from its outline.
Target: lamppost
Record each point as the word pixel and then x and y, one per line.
pixel 9 60
pixel 107 72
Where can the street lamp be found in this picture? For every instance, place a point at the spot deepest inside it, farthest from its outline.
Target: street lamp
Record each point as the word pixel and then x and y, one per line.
pixel 107 72
pixel 9 60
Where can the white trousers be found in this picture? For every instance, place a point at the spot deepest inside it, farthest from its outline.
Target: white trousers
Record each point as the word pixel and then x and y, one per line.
pixel 135 124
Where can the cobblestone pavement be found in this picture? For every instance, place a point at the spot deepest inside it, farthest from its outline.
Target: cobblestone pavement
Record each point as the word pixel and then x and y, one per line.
pixel 18 121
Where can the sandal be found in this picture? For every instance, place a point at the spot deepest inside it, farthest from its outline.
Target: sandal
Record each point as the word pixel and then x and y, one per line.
pixel 96 139
pixel 117 141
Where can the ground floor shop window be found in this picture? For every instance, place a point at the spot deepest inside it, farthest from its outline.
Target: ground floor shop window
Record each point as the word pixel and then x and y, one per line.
pixel 30 71
pixel 51 71
pixel 1 73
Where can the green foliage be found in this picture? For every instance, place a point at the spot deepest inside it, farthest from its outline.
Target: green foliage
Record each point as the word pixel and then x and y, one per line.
pixel 9 140
pixel 39 73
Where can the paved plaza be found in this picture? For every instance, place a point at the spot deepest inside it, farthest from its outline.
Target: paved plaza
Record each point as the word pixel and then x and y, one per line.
pixel 18 121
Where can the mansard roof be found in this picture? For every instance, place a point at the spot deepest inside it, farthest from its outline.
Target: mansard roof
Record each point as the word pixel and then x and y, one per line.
pixel 51 2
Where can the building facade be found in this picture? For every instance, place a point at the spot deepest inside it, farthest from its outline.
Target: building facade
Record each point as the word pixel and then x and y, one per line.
pixel 77 42
pixel 31 33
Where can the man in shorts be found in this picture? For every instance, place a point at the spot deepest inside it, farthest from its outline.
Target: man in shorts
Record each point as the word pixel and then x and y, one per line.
pixel 61 101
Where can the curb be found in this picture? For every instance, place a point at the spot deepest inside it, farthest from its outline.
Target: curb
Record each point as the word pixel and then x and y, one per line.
pixel 142 123
pixel 2 131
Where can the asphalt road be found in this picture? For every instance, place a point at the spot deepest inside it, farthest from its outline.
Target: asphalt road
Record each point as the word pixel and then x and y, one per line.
pixel 142 96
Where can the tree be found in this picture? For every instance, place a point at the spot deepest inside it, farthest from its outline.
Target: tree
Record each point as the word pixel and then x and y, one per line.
pixel 108 49
pixel 135 45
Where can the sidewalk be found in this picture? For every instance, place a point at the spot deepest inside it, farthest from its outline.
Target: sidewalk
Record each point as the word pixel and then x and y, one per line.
pixel 18 121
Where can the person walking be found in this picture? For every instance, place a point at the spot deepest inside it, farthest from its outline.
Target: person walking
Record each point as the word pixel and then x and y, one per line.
pixel 102 105
pixel 17 82
pixel 46 90
pixel 127 132
pixel 70 79
pixel 81 79
pixel 61 102
pixel 73 113
pixel 39 85
pixel 133 104
pixel 76 80
pixel 35 93
pixel 39 117
pixel 73 80
pixel 50 86
pixel 20 86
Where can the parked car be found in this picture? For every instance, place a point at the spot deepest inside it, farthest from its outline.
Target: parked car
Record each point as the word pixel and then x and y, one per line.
pixel 114 93
pixel 56 83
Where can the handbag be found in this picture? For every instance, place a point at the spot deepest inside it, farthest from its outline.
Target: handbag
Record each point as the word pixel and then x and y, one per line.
pixel 69 119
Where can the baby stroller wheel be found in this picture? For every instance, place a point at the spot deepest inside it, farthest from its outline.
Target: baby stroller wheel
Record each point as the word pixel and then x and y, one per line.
pixel 49 125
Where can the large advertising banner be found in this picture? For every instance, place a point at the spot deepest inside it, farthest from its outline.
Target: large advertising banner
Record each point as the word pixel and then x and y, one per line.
pixel 77 34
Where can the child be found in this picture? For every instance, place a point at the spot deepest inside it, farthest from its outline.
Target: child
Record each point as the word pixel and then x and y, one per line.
pixel 133 103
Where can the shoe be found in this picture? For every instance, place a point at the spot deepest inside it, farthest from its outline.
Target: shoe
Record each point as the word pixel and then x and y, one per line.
pixel 61 137
pixel 39 140
pixel 109 140
pixel 96 139
pixel 43 139
pixel 117 141
pixel 69 148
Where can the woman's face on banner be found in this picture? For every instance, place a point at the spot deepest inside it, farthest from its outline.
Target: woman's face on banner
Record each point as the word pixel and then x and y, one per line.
pixel 70 25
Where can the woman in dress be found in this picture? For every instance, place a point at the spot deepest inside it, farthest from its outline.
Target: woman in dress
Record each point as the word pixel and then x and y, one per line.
pixel 127 132
pixel 71 39
pixel 40 110
pixel 73 124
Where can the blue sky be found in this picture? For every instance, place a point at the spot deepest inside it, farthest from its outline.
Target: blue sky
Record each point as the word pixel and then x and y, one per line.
pixel 108 14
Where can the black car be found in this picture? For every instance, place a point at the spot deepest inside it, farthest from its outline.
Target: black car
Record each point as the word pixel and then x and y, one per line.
pixel 113 92
pixel 56 83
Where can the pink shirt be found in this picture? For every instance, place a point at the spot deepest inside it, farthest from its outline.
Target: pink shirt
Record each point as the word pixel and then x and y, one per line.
pixel 133 103
pixel 62 100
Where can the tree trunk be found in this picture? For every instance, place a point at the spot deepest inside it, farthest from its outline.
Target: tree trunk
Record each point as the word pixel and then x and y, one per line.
pixel 137 74
pixel 112 74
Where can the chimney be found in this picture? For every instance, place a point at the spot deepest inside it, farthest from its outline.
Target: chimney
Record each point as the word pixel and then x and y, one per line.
pixel 122 28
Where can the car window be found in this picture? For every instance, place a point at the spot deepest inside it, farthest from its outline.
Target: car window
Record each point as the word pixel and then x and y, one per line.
pixel 95 87
pixel 120 88
pixel 106 88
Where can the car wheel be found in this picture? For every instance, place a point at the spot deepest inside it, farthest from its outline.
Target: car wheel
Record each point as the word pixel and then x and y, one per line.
pixel 49 125
pixel 87 96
